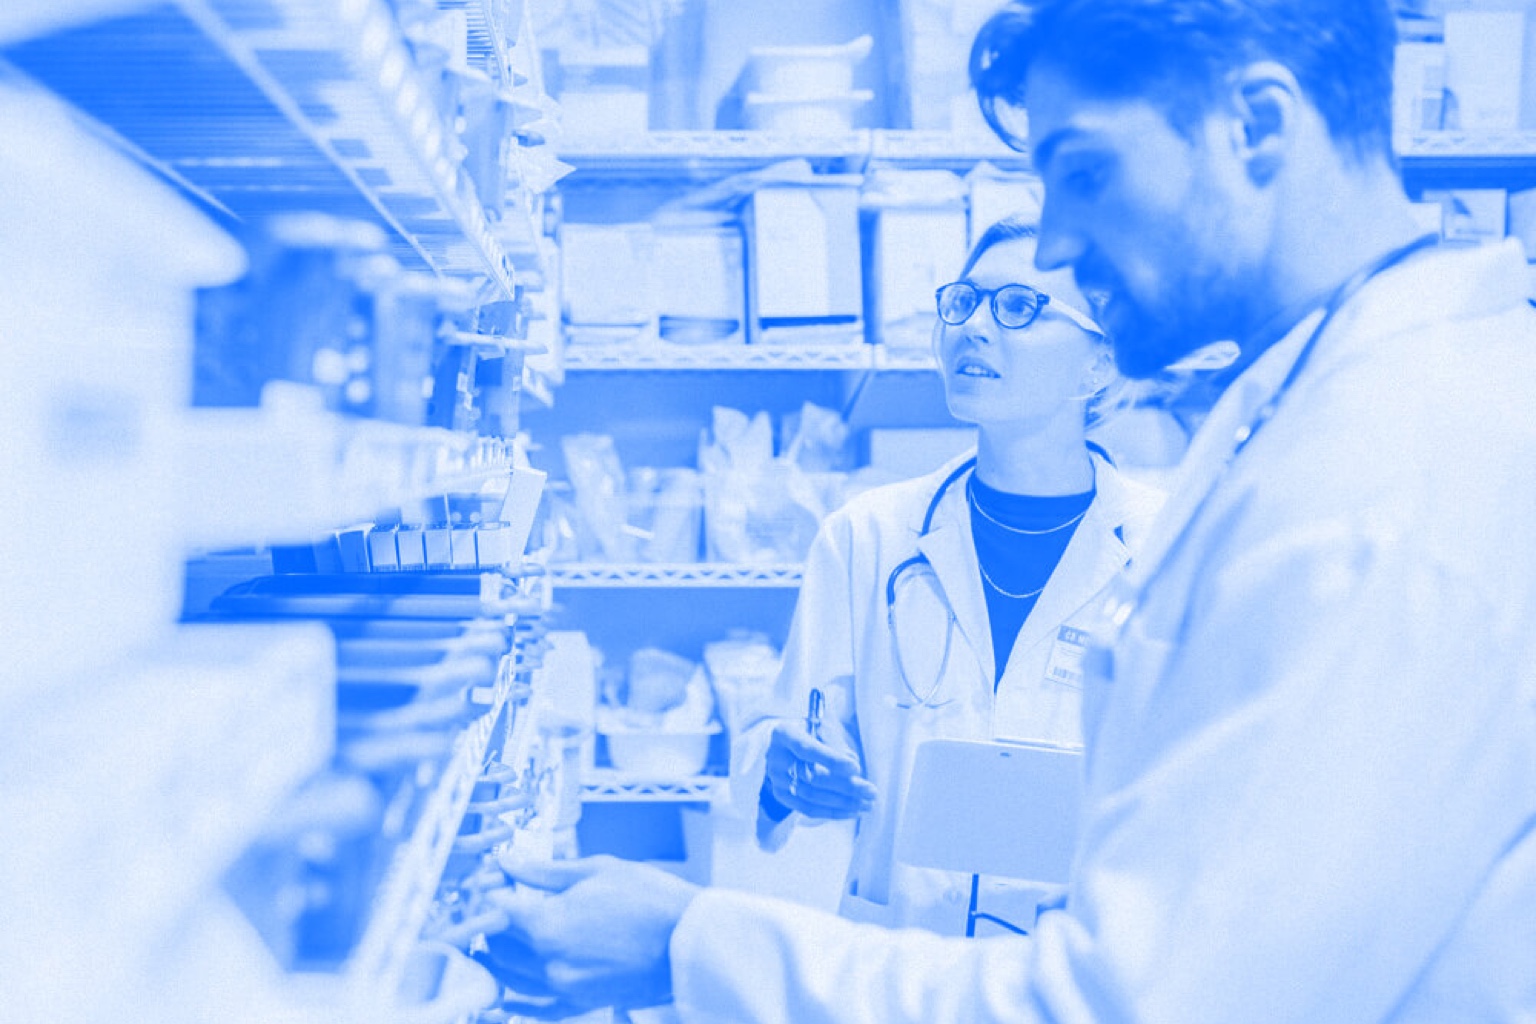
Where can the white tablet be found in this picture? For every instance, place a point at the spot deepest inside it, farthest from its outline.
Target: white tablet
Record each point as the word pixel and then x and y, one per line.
pixel 1003 809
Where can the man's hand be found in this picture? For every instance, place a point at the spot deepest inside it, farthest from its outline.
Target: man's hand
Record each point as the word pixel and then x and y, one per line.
pixel 806 775
pixel 584 934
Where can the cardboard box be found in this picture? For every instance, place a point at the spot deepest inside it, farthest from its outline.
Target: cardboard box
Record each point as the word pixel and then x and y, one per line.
pixel 913 250
pixel 1484 60
pixel 804 273
pixel 701 283
pixel 606 92
pixel 1471 214
pixel 996 195
pixel 606 274
pixel 1418 89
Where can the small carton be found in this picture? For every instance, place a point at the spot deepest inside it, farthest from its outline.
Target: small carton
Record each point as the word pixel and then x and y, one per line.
pixel 804 280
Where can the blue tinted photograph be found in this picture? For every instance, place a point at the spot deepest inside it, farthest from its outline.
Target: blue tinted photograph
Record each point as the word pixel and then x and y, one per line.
pixel 729 512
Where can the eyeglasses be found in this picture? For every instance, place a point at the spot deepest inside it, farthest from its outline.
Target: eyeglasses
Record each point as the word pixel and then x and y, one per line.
pixel 1013 305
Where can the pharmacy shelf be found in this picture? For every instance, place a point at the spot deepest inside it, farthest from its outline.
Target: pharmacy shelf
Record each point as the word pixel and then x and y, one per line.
pixel 290 470
pixel 709 154
pixel 698 574
pixel 278 106
pixel 1469 159
pixel 702 155
pixel 932 149
pixel 903 360
pixel 607 785
pixel 663 356
pixel 405 895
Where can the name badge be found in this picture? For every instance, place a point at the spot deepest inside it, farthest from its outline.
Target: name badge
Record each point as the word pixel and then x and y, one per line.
pixel 1065 667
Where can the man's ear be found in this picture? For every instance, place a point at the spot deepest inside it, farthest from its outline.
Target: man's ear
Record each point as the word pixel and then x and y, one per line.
pixel 1265 100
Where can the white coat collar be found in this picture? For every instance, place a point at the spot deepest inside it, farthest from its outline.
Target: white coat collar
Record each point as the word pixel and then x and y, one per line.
pixel 1093 557
pixel 1464 283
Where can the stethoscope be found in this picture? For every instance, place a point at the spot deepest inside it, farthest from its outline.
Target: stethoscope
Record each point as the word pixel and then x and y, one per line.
pixel 1122 606
pixel 920 560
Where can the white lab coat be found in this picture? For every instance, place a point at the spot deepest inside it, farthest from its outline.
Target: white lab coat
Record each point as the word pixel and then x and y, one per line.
pixel 841 642
pixel 1311 776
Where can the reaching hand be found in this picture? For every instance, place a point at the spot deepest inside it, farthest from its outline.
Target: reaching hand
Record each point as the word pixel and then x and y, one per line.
pixel 584 934
pixel 808 776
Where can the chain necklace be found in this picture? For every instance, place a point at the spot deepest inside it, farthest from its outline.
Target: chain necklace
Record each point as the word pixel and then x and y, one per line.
pixel 1007 593
pixel 970 492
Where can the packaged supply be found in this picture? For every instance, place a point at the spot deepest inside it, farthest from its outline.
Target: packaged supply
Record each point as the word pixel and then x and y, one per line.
pixel 916 231
pixel 803 260
pixel 802 72
pixel 606 272
pixel 593 466
pixel 742 670
pixel 666 508
pixel 1484 60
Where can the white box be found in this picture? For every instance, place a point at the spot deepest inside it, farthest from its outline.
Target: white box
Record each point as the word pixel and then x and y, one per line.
pixel 439 544
pixel 606 274
pixel 1471 214
pixel 996 195
pixel 382 555
pixel 700 276
pixel 605 92
pixel 803 258
pixel 410 543
pixel 914 251
pixel 1418 88
pixel 1484 58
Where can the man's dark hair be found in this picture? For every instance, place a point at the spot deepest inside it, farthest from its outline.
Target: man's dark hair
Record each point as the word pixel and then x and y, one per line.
pixel 1175 53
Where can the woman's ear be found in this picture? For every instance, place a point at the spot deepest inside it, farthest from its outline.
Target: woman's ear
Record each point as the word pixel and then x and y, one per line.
pixel 1102 370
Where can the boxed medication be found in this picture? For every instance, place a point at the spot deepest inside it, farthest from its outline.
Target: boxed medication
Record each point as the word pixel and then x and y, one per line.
pixel 803 260
pixel 916 234
pixel 606 274
pixel 1484 57
pixel 606 91
pixel 996 194
pixel 701 287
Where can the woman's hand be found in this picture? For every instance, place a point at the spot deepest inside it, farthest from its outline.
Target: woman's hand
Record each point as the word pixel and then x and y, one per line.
pixel 806 775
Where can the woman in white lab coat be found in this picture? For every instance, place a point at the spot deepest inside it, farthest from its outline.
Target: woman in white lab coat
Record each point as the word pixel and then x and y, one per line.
pixel 943 606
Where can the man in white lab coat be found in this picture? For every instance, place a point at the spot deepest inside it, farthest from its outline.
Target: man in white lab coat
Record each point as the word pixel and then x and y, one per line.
pixel 1311 773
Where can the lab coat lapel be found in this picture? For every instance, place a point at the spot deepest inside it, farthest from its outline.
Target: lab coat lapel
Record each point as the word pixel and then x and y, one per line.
pixel 1212 448
pixel 952 553
pixel 1093 556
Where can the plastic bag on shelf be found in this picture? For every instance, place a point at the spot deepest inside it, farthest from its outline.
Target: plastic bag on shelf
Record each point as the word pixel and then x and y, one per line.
pixel 658 680
pixel 816 439
pixel 742 669
pixel 665 513
pixel 593 466
pixel 757 509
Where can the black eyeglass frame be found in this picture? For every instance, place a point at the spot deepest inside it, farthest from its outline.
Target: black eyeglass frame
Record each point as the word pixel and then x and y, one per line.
pixel 1038 300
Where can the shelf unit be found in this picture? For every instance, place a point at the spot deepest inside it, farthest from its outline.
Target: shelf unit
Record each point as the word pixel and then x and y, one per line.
pixel 700 574
pixel 701 155
pixel 292 470
pixel 247 109
pixel 286 105
pixel 608 785
pixel 662 356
